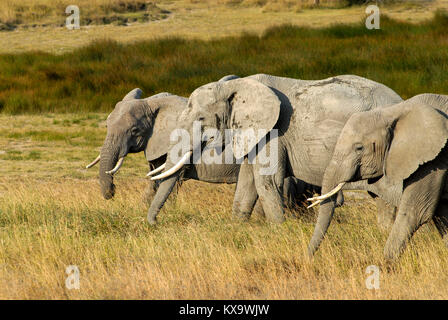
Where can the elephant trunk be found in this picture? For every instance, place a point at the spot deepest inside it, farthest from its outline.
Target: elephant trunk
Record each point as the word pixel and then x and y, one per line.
pixel 326 210
pixel 108 160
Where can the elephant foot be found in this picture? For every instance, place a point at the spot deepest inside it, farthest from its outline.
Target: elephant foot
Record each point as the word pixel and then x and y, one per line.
pixel 152 220
pixel 310 254
pixel 238 216
pixel 391 256
pixel 276 219
pixel 242 210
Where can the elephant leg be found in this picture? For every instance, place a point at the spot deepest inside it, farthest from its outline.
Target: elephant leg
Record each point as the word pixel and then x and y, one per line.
pixel 340 199
pixel 295 195
pixel 404 227
pixel 270 190
pixel 258 210
pixel 292 192
pixel 176 188
pixel 441 220
pixel 245 193
pixel 150 191
pixel 163 192
pixel 418 204
pixel 385 214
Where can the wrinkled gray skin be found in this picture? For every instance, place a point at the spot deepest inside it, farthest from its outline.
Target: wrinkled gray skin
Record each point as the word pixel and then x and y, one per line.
pixel 308 114
pixel 137 125
pixel 404 146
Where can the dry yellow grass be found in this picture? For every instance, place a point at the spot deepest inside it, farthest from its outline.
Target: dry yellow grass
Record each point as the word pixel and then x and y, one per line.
pixel 52 216
pixel 194 19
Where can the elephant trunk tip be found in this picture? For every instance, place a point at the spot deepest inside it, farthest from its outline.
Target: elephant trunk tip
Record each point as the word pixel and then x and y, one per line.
pixel 108 192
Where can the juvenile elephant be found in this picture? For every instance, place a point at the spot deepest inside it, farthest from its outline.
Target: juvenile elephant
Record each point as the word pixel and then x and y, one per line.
pixel 137 125
pixel 402 150
pixel 308 116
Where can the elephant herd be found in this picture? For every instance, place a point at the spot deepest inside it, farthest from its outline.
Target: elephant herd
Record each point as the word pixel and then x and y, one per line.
pixel 323 136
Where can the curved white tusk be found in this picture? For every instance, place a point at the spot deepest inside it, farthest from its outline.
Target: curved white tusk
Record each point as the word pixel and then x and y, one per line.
pixel 174 169
pixel 94 162
pixel 150 173
pixel 117 167
pixel 314 204
pixel 329 194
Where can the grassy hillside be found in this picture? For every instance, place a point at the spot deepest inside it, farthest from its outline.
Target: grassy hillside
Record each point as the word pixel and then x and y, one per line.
pixel 409 58
pixel 52 215
pixel 28 13
pixel 39 24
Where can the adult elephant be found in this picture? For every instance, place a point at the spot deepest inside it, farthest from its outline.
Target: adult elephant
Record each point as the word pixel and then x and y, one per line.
pixel 137 125
pixel 404 147
pixel 308 116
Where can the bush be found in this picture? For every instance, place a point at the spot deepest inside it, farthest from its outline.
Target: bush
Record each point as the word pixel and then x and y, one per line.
pixel 409 58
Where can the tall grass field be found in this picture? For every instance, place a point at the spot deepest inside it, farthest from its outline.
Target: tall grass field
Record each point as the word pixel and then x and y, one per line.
pixel 52 215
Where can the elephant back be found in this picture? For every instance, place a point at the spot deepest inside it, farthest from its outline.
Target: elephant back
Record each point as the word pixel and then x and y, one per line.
pixel 337 98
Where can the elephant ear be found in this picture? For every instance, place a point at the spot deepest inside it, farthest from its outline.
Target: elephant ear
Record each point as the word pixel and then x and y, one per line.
pixel 420 132
pixel 134 94
pixel 166 110
pixel 253 105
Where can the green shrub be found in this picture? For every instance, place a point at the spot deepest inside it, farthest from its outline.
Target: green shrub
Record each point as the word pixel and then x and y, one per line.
pixel 409 58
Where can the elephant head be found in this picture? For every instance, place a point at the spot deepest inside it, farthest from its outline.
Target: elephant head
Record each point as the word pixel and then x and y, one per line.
pixel 236 104
pixel 133 126
pixel 391 142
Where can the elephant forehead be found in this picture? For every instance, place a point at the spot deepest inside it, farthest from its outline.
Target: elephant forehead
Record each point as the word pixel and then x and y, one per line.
pixel 126 107
pixel 364 126
pixel 204 95
pixel 349 134
pixel 126 113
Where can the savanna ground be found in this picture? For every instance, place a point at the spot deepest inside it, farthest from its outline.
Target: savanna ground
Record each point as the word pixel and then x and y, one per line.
pixel 52 215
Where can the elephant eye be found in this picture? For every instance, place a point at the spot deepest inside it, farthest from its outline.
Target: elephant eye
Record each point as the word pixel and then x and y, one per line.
pixel 134 131
pixel 201 118
pixel 359 147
